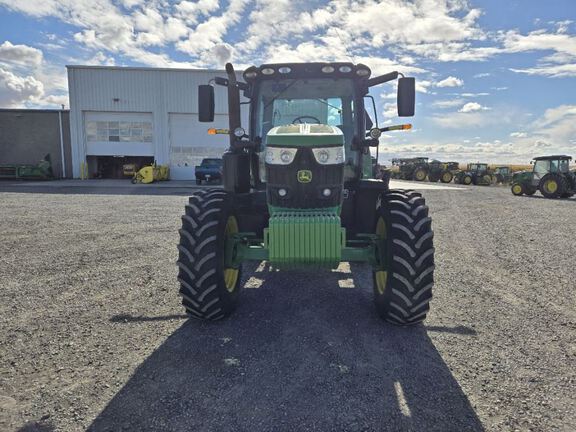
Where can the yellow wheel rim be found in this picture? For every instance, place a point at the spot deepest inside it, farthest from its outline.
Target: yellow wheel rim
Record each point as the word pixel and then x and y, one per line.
pixel 231 274
pixel 381 276
pixel 447 177
pixel 467 180
pixel 420 175
pixel 517 189
pixel 551 186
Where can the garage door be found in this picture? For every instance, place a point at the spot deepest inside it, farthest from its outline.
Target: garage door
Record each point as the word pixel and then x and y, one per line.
pixel 190 143
pixel 118 134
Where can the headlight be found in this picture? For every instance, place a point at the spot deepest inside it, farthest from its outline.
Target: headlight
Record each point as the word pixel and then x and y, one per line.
pixel 239 132
pixel 280 156
pixel 329 155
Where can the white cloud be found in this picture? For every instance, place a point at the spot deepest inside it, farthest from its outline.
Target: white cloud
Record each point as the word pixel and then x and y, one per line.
pixel 450 82
pixel 538 41
pixel 447 103
pixel 21 55
pixel 553 71
pixel 211 32
pixel 482 75
pixel 518 135
pixel 472 107
pixel 16 90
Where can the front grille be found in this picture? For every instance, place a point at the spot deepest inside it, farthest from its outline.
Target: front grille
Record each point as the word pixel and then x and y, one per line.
pixel 304 195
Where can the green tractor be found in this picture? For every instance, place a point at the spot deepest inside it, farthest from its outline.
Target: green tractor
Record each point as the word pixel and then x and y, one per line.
pixel 550 175
pixel 411 168
pixel 443 171
pixel 298 193
pixel 502 174
pixel 475 173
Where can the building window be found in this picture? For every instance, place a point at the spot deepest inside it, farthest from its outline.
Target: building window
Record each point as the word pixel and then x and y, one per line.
pixel 118 131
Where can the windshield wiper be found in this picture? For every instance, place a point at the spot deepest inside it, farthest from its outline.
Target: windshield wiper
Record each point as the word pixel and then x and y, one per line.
pixel 280 92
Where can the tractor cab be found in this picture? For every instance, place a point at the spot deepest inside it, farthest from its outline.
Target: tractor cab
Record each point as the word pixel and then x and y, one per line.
pixel 502 174
pixel 502 170
pixel 478 168
pixel 475 173
pixel 550 175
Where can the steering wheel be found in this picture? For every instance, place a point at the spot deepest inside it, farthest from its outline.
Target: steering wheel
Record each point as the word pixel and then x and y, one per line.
pixel 298 120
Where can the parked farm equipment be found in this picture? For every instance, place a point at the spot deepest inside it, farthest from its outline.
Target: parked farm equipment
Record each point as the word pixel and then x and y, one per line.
pixel 152 173
pixel 502 174
pixel 475 173
pixel 411 168
pixel 298 193
pixel 443 171
pixel 550 175
pixel 41 171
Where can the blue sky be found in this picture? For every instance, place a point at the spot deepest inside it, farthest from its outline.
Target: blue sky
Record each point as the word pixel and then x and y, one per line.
pixel 496 79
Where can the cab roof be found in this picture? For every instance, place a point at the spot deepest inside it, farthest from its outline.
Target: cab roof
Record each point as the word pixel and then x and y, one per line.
pixel 553 157
pixel 307 70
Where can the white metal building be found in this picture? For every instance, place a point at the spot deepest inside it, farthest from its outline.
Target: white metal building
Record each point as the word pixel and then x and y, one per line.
pixel 120 115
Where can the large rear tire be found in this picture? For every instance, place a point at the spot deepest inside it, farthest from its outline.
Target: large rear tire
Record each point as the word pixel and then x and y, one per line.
pixel 552 185
pixel 446 177
pixel 420 174
pixel 403 283
pixel 209 290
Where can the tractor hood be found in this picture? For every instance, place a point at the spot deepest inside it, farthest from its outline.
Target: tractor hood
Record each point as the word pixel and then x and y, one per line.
pixel 305 135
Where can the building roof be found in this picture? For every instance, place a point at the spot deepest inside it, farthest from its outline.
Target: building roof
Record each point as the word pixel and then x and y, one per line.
pixel 26 110
pixel 112 68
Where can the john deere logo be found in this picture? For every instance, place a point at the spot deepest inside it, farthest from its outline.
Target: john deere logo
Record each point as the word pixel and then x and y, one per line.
pixel 304 176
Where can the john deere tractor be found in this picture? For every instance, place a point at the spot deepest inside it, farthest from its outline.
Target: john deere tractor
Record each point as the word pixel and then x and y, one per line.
pixel 475 173
pixel 297 192
pixel 411 168
pixel 443 171
pixel 550 175
pixel 502 174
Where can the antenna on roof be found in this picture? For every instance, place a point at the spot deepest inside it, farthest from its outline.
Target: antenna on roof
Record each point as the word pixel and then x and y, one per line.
pixel 350 56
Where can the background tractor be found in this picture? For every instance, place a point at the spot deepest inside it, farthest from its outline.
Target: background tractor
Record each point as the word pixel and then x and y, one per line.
pixel 297 192
pixel 475 173
pixel 502 174
pixel 550 175
pixel 443 171
pixel 411 168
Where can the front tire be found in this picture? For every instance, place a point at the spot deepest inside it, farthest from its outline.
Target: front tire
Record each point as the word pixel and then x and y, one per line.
pixel 518 189
pixel 467 180
pixel 209 290
pixel 403 282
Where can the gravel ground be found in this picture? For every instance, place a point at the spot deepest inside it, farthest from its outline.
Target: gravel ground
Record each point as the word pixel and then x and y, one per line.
pixel 92 336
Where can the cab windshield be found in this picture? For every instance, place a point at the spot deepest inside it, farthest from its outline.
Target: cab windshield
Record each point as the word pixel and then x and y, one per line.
pixel 314 100
pixel 306 100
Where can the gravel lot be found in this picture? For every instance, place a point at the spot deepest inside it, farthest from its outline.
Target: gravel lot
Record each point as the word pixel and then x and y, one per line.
pixel 92 336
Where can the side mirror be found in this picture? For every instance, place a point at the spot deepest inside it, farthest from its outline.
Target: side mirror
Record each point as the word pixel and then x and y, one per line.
pixel 406 97
pixel 205 103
